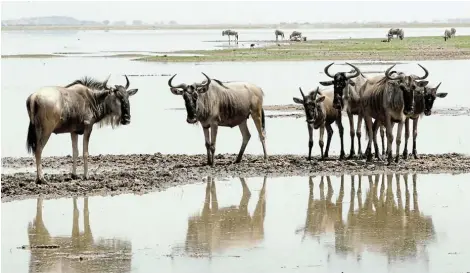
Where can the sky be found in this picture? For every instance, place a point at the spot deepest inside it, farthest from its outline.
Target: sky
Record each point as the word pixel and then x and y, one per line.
pixel 240 12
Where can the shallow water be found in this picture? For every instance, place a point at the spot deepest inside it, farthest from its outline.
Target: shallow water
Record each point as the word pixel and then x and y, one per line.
pixel 395 227
pixel 47 42
pixel 155 128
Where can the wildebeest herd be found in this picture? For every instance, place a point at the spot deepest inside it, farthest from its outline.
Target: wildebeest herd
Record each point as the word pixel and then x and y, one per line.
pixel 393 97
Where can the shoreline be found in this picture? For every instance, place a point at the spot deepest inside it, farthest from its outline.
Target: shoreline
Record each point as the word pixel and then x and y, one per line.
pixel 142 173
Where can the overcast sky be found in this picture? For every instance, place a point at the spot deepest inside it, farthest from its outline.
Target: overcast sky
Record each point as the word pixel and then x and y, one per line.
pixel 241 11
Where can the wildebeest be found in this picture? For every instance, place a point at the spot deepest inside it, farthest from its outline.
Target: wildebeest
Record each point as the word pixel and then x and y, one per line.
pixel 278 32
pixel 346 88
pixel 229 33
pixel 447 35
pixel 320 113
pixel 423 105
pixel 396 31
pixel 390 99
pixel 295 36
pixel 74 109
pixel 452 32
pixel 213 104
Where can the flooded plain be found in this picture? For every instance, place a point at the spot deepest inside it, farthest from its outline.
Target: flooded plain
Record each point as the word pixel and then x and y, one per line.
pixel 378 223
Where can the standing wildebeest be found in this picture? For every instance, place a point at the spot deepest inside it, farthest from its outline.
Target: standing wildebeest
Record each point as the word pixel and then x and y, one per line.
pixel 229 33
pixel 277 32
pixel 447 35
pixel 423 104
pixel 390 99
pixel 230 104
pixel 320 113
pixel 452 32
pixel 346 97
pixel 396 31
pixel 74 109
pixel 295 36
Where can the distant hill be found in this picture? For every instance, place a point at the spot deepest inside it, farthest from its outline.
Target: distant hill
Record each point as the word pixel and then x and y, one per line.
pixel 49 21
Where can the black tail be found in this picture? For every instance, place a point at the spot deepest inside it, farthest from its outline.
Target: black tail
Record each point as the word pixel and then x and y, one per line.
pixel 263 123
pixel 32 138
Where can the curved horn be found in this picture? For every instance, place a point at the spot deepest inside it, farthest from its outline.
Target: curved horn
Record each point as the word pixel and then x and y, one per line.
pixel 208 80
pixel 426 73
pixel 127 82
pixel 105 83
pixel 437 86
pixel 301 92
pixel 326 70
pixel 316 92
pixel 387 72
pixel 358 72
pixel 178 86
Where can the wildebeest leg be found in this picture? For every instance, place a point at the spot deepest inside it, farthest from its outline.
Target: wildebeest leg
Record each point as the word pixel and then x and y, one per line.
pixel 339 123
pixel 207 139
pixel 245 197
pixel 320 141
pixel 258 117
pixel 43 135
pixel 310 141
pixel 389 130
pixel 359 134
pixel 329 135
pixel 415 135
pixel 382 136
pixel 352 152
pixel 86 140
pixel 398 141
pixel 407 135
pixel 74 137
pixel 214 129
pixel 368 153
pixel 246 137
pixel 375 127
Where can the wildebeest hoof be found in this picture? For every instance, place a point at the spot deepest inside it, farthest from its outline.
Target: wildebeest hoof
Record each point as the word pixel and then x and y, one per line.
pixel 74 176
pixel 351 156
pixel 341 157
pixel 397 159
pixel 41 180
pixel 415 155
pixel 405 155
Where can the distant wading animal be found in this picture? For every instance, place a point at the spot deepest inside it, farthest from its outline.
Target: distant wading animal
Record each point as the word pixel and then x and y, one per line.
pixel 295 36
pixel 396 31
pixel 447 35
pixel 277 32
pixel 452 32
pixel 320 113
pixel 229 33
pixel 347 98
pixel 213 104
pixel 389 99
pixel 74 109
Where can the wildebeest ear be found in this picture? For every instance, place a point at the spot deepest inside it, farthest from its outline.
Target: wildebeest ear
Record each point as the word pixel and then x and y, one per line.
pixel 132 92
pixel 441 95
pixel 176 91
pixel 202 89
pixel 352 83
pixel 321 98
pixel 422 83
pixel 326 83
pixel 299 101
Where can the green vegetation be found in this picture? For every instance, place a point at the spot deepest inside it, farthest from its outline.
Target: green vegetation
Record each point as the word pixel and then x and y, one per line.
pixel 411 48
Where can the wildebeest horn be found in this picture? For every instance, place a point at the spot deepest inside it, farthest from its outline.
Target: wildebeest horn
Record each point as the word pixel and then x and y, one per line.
pixel 437 86
pixel 105 83
pixel 387 72
pixel 178 86
pixel 326 70
pixel 358 72
pixel 316 92
pixel 208 80
pixel 301 92
pixel 426 73
pixel 127 82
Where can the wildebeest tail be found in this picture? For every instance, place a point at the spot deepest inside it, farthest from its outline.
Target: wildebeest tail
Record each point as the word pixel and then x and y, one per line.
pixel 263 123
pixel 31 140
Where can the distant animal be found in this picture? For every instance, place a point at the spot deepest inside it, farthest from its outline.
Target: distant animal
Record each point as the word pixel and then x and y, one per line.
pixel 452 32
pixel 252 45
pixel 396 31
pixel 295 36
pixel 277 32
pixel 74 109
pixel 447 35
pixel 229 33
pixel 229 104
pixel 320 113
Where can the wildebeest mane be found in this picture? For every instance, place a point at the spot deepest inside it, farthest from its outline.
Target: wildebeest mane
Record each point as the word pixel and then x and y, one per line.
pixel 89 82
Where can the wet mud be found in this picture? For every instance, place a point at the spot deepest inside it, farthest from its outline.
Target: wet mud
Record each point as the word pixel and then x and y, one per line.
pixel 140 173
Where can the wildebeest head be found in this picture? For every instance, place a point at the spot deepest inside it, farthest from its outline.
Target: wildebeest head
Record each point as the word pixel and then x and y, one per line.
pixel 339 82
pixel 312 105
pixel 430 94
pixel 120 105
pixel 190 95
pixel 408 84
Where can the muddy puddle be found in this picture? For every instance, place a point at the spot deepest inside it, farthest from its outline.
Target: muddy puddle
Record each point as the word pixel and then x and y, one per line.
pixel 378 223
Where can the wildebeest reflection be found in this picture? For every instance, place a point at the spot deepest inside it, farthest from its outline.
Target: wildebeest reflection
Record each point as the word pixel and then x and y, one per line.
pixel 79 252
pixel 379 224
pixel 217 229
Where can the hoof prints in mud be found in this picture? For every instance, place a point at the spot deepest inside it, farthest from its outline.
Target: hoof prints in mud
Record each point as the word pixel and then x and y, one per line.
pixel 140 173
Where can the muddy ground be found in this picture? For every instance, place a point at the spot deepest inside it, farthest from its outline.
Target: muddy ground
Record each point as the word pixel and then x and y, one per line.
pixel 112 174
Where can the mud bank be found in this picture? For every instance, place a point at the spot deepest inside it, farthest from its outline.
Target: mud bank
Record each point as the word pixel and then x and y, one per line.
pixel 113 174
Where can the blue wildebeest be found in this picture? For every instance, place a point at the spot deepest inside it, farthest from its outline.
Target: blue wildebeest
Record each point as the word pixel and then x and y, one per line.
pixel 320 113
pixel 213 104
pixel 389 99
pixel 346 88
pixel 295 36
pixel 396 31
pixel 452 32
pixel 424 101
pixel 447 35
pixel 74 109
pixel 229 33
pixel 277 32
